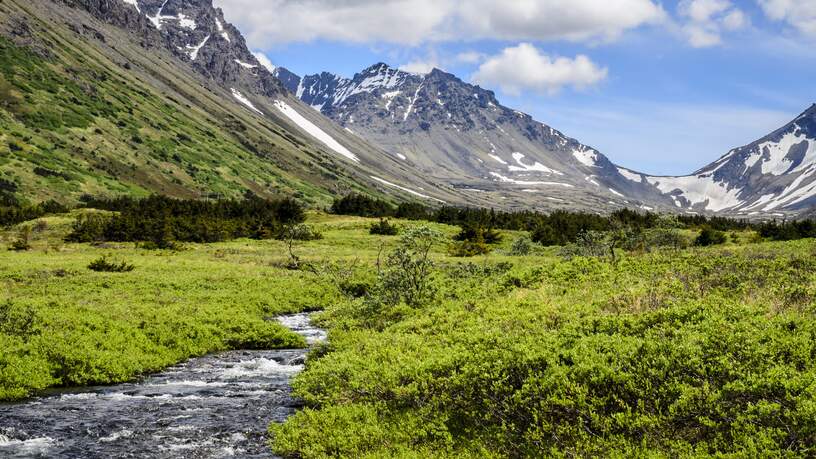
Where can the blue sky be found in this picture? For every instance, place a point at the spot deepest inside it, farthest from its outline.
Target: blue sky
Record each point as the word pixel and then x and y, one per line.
pixel 660 87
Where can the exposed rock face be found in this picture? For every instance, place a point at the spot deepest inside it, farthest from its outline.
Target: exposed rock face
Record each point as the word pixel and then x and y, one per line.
pixel 460 134
pixel 774 175
pixel 441 138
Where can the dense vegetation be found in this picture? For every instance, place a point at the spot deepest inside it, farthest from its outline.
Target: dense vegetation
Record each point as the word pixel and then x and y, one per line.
pixel 625 342
pixel 556 228
pixel 692 352
pixel 73 121
pixel 13 213
pixel 77 314
pixel 163 221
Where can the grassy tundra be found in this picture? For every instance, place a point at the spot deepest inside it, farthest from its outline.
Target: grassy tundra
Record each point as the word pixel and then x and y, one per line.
pixel 520 353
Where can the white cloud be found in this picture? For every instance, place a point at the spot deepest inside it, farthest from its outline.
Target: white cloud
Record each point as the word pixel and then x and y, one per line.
pixel 525 67
pixel 470 57
pixel 800 14
pixel 703 10
pixel 735 20
pixel 412 22
pixel 264 61
pixel 707 19
pixel 701 35
pixel 419 66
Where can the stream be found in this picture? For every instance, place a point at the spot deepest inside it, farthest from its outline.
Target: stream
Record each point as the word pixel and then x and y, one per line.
pixel 214 406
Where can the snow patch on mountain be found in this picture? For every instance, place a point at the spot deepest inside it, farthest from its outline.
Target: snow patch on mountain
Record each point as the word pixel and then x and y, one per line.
pixel 412 103
pixel 389 98
pixel 535 167
pixel 241 98
pixel 314 130
pixel 504 179
pixel 156 20
pixel 407 190
pixel 134 3
pixel 586 157
pixel 192 51
pixel 792 194
pixel 245 65
pixel 223 32
pixel 186 22
pixel 498 158
pixel 182 20
pixel 702 189
pixel 629 175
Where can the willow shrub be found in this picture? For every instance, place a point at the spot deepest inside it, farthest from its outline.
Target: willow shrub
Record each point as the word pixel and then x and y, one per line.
pixel 692 353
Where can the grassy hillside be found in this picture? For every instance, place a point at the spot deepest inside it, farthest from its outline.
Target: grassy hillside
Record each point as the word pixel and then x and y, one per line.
pixel 80 114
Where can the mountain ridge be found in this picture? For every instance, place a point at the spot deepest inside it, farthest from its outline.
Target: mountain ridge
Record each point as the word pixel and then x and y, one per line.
pixel 708 189
pixel 460 134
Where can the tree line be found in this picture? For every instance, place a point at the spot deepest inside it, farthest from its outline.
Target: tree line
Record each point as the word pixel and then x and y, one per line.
pixel 561 227
pixel 162 220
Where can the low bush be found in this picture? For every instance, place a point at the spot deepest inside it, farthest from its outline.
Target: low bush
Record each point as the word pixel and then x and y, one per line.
pixel 521 247
pixel 102 264
pixel 709 236
pixel 468 249
pixel 23 240
pixel 383 228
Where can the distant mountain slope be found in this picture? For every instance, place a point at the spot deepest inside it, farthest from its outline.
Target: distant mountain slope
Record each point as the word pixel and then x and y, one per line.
pixel 107 96
pixel 460 134
pixel 774 175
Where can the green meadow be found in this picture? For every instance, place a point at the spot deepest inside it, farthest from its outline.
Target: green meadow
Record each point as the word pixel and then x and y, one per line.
pixel 702 351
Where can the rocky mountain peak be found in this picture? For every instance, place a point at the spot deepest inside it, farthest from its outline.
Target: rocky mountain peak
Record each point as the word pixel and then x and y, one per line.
pixel 194 31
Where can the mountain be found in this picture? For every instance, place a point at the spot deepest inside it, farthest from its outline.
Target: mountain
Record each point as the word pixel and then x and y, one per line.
pixel 775 175
pixel 460 134
pixel 146 96
pixel 143 96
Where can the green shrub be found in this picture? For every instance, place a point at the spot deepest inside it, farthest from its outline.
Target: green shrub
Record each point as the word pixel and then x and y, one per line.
pixel 383 228
pixel 408 272
pixel 521 247
pixel 102 264
pixel 595 244
pixel 23 241
pixel 362 206
pixel 709 236
pixel 469 249
pixel 478 233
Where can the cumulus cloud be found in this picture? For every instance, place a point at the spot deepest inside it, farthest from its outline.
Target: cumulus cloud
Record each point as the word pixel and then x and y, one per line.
pixel 799 14
pixel 705 20
pixel 411 22
pixel 420 66
pixel 470 57
pixel 524 67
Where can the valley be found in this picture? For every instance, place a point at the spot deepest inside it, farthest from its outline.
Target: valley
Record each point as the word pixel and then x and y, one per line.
pixel 204 254
pixel 504 354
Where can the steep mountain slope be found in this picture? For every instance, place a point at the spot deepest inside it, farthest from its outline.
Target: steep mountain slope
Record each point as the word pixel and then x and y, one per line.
pixel 774 175
pixel 459 134
pixel 107 96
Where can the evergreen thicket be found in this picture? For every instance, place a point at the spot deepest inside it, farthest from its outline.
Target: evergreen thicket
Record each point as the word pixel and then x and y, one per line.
pixel 560 227
pixel 161 220
pixel 11 213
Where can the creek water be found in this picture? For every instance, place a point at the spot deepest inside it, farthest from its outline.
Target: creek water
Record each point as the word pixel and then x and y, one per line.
pixel 214 406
